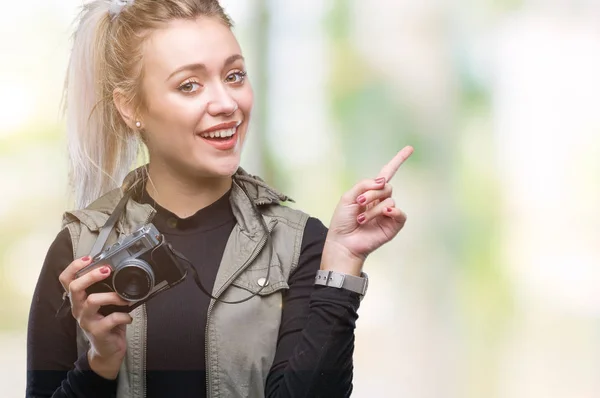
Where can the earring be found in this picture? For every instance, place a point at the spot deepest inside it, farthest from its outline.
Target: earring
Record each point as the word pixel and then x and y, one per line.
pixel 138 124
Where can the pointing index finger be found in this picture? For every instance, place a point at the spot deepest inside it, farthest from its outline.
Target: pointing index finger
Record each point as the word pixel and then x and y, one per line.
pixel 393 165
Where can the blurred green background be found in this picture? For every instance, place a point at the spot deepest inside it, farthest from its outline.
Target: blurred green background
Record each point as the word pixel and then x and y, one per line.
pixel 491 288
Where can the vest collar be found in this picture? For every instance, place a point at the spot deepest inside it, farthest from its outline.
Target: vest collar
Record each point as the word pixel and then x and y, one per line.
pixel 246 190
pixel 258 191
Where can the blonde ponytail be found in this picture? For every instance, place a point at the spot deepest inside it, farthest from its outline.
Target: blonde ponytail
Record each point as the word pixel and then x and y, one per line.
pixel 101 147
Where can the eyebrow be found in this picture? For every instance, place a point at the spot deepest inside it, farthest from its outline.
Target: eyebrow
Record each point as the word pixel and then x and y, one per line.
pixel 198 66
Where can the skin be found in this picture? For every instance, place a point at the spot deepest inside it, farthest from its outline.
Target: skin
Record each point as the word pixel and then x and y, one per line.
pixel 188 174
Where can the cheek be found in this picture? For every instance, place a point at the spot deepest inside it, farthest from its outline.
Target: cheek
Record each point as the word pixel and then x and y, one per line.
pixel 171 114
pixel 246 100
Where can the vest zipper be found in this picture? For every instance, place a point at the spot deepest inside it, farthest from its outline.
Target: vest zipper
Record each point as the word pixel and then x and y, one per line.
pixel 144 333
pixel 260 246
pixel 144 330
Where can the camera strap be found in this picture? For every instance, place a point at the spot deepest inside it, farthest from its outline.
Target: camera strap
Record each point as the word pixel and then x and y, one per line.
pixel 192 270
pixel 112 220
pixel 99 244
pixel 268 244
pixel 109 225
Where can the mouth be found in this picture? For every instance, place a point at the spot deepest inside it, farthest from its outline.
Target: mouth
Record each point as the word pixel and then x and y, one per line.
pixel 223 137
pixel 219 134
pixel 222 130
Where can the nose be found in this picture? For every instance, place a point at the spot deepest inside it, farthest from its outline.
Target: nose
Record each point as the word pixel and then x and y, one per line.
pixel 221 102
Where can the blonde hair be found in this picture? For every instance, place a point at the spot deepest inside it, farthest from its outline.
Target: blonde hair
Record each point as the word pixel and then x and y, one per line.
pixel 107 55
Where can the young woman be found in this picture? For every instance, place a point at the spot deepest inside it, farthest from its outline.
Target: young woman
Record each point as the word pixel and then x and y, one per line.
pixel 170 75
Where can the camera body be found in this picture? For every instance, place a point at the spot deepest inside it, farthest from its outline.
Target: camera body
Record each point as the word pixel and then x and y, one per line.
pixel 142 264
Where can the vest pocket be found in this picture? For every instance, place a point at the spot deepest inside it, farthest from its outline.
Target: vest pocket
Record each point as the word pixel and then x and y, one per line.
pixel 255 276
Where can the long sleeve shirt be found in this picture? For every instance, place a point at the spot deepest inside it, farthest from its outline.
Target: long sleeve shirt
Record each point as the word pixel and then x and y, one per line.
pixel 313 351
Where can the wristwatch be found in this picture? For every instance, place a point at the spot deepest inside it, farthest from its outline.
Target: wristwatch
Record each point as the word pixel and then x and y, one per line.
pixel 357 284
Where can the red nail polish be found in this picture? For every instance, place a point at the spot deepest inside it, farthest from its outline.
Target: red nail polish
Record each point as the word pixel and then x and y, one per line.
pixel 104 270
pixel 380 180
pixel 388 209
pixel 86 258
pixel 361 199
pixel 361 218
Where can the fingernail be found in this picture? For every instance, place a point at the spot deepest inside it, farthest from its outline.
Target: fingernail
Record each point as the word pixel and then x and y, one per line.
pixel 380 180
pixel 388 209
pixel 361 218
pixel 361 199
pixel 104 270
pixel 86 258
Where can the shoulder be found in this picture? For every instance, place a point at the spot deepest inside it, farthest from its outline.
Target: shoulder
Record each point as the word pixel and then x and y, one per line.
pixel 62 242
pixel 311 248
pixel 284 214
pixel 315 233
pixel 96 213
pixel 315 229
pixel 270 201
pixel 60 253
pixel 93 216
pixel 310 230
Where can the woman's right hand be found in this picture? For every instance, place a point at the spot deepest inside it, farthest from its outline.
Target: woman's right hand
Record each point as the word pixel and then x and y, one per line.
pixel 106 334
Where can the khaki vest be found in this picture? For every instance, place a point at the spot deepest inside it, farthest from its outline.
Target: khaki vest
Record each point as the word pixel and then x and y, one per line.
pixel 240 338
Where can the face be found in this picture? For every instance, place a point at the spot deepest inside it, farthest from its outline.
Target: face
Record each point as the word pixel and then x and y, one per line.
pixel 198 99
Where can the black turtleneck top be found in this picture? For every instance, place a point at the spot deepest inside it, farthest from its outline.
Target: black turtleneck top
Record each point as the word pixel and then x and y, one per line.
pixel 316 337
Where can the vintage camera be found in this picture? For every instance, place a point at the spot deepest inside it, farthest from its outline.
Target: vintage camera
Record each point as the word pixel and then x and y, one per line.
pixel 143 264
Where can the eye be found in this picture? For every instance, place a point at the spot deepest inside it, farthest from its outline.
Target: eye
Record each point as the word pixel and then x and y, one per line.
pixel 189 87
pixel 236 77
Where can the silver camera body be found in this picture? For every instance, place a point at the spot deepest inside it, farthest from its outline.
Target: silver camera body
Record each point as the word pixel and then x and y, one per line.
pixel 142 264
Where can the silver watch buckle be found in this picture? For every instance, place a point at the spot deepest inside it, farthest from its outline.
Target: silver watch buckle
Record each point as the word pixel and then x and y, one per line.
pixel 335 279
pixel 342 281
pixel 331 279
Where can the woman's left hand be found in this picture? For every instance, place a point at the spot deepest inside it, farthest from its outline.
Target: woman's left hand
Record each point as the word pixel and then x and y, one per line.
pixel 365 218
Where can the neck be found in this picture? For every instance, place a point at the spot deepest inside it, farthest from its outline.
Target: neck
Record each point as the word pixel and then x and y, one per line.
pixel 184 196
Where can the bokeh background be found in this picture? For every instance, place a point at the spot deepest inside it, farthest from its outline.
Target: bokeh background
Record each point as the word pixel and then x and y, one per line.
pixel 491 288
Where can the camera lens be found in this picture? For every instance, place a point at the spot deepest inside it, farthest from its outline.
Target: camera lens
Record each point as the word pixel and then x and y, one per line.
pixel 133 280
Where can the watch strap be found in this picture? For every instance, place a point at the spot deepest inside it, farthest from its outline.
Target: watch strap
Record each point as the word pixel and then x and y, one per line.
pixel 357 284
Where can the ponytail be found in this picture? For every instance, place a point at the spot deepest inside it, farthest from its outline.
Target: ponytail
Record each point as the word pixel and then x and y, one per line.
pixel 101 147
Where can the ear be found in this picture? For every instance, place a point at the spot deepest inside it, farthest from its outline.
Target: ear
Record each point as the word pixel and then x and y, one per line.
pixel 125 108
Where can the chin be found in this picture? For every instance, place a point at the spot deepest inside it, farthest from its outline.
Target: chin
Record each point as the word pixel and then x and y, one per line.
pixel 221 168
pixel 225 172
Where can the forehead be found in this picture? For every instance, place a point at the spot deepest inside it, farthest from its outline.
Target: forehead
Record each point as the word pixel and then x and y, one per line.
pixel 180 42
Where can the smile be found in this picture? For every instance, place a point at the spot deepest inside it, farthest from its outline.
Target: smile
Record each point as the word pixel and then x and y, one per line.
pixel 223 139
pixel 225 133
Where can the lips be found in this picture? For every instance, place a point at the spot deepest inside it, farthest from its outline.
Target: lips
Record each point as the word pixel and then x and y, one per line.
pixel 223 140
pixel 221 126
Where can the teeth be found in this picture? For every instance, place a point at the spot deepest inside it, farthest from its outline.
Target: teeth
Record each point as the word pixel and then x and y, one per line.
pixel 220 133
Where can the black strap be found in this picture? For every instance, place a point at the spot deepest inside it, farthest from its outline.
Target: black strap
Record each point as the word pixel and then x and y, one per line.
pixel 190 267
pixel 268 245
